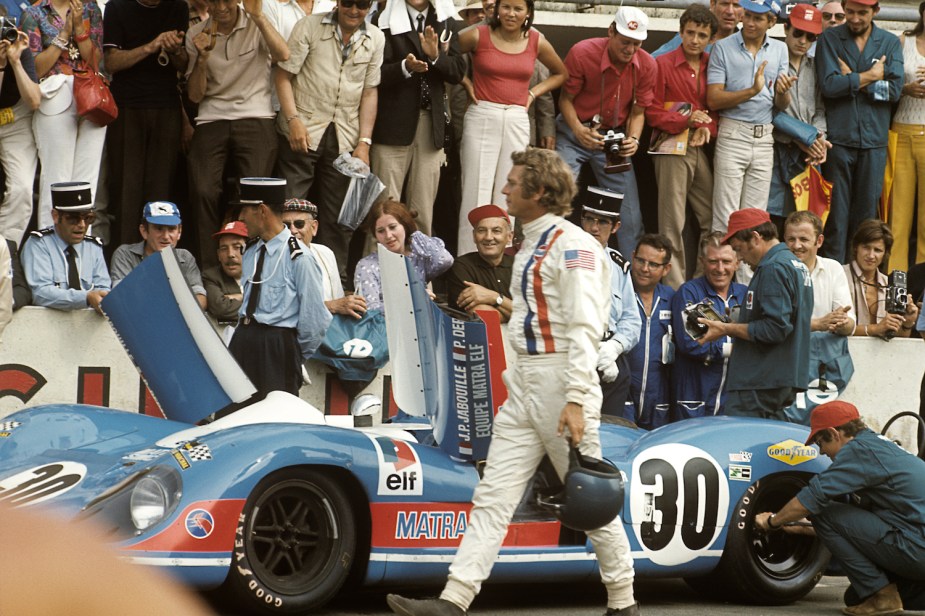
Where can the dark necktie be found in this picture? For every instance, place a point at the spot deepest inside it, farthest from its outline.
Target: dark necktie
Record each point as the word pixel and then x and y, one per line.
pixel 73 275
pixel 425 87
pixel 254 297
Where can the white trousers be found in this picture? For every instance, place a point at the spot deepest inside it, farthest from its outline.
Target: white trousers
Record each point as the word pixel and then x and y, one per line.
pixel 491 133
pixel 524 431
pixel 70 149
pixel 18 157
pixel 742 168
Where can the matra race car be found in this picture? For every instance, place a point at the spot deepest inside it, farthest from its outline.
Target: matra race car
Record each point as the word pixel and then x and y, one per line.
pixel 284 507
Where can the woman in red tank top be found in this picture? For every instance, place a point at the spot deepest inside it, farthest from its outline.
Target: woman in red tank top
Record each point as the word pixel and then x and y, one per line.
pixel 504 52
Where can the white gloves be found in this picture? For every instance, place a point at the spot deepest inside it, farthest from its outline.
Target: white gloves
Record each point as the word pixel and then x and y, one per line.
pixel 608 352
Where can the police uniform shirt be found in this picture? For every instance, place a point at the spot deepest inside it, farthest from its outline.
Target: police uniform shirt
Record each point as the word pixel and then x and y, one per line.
pixel 291 290
pixel 624 324
pixel 45 264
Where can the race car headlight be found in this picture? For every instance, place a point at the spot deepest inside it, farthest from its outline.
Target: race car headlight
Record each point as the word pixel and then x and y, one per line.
pixel 154 497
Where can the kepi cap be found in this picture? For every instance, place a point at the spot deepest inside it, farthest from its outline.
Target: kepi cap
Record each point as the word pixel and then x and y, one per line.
pixel 749 218
pixel 807 18
pixel 254 191
pixel 486 211
pixel 632 22
pixel 71 197
pixel 602 202
pixel 162 213
pixel 830 415
pixel 235 227
pixel 761 6
pixel 301 205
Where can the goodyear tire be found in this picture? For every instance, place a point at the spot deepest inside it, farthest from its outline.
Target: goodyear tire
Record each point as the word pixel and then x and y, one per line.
pixel 294 545
pixel 765 568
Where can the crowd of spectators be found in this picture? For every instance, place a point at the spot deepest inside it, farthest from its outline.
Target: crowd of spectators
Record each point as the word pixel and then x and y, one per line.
pixel 435 105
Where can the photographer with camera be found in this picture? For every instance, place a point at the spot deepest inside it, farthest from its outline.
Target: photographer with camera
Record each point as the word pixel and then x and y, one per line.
pixel 19 98
pixel 603 113
pixel 883 309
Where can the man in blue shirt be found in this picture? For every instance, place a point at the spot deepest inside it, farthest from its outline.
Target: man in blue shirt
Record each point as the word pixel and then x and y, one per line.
pixel 878 534
pixel 859 68
pixel 747 78
pixel 64 266
pixel 283 318
pixel 728 14
pixel 600 218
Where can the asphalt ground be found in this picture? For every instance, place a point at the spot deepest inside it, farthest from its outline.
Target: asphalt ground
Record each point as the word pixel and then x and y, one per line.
pixel 668 597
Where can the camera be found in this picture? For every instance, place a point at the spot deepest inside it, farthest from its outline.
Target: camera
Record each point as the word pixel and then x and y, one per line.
pixel 8 31
pixel 616 163
pixel 897 293
pixel 700 310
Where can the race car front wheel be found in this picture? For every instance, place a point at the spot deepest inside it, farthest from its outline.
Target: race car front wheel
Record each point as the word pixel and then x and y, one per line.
pixel 294 544
pixel 774 568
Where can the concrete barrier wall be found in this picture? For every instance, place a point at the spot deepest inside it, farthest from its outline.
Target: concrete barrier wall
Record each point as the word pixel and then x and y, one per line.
pixel 48 356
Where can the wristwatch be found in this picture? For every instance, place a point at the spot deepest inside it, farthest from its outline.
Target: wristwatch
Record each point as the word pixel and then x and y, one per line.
pixel 499 301
pixel 365 140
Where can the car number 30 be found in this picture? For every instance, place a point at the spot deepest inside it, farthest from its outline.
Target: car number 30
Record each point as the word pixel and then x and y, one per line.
pixel 679 500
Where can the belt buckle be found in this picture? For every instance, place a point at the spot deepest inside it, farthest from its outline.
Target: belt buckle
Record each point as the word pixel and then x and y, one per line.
pixel 758 131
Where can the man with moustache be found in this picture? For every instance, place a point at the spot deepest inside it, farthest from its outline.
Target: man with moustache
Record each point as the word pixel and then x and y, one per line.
pixel 859 68
pixel 223 281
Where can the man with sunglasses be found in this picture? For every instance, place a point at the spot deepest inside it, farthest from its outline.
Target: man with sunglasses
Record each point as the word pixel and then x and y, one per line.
pixel 859 68
pixel 64 266
pixel 833 14
pixel 328 96
pixel 301 216
pixel 791 156
pixel 600 218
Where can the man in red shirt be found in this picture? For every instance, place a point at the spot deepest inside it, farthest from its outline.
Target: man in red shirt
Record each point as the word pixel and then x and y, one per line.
pixel 679 112
pixel 609 87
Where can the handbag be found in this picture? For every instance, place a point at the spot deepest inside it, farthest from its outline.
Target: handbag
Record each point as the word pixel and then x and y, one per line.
pixel 795 129
pixel 94 100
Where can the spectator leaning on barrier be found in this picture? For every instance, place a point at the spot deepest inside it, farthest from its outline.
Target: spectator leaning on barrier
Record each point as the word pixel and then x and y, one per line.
pixel 877 534
pixel 223 281
pixel 482 279
pixel 701 371
pixel 64 266
pixel 728 15
pixel 649 404
pixel 746 99
pixel 229 78
pixel 770 354
pixel 610 84
pixel 324 113
pixel 860 70
pixel 160 229
pixel 600 218
pixel 687 179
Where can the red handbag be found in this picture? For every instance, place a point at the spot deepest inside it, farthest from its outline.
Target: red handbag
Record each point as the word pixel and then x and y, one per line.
pixel 93 98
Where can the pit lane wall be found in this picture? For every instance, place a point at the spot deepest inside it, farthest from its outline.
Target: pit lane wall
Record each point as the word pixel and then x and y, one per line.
pixel 48 356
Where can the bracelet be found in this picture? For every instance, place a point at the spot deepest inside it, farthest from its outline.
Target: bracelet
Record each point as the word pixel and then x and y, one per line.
pixel 291 118
pixel 80 38
pixel 636 139
pixel 531 94
pixel 60 43
pixel 865 331
pixel 771 526
pixel 365 140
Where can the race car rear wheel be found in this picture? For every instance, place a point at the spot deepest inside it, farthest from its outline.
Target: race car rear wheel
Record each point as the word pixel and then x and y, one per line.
pixel 765 568
pixel 294 545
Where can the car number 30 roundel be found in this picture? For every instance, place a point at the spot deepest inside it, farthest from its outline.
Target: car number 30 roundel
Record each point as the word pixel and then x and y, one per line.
pixel 679 500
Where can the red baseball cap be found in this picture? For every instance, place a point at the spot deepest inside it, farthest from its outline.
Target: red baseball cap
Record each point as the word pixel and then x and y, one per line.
pixel 749 218
pixel 807 18
pixel 235 227
pixel 864 2
pixel 487 211
pixel 830 415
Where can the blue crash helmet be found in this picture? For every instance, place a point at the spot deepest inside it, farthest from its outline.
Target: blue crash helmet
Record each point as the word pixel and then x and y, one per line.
pixel 591 494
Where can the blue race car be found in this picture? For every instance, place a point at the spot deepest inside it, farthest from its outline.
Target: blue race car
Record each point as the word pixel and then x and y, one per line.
pixel 285 507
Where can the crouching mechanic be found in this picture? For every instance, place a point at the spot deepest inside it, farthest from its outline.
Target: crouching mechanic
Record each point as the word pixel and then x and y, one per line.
pixel 555 328
pixel 600 217
pixel 878 535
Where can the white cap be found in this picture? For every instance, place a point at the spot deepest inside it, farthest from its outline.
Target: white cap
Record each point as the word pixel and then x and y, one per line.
pixel 632 23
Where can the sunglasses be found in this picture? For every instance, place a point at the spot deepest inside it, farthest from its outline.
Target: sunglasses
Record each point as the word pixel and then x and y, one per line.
pixel 363 5
pixel 593 220
pixel 797 33
pixel 649 264
pixel 836 16
pixel 298 224
pixel 74 218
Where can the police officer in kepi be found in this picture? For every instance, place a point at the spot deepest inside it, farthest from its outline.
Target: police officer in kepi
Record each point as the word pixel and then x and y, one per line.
pixel 283 318
pixel 64 266
pixel 600 217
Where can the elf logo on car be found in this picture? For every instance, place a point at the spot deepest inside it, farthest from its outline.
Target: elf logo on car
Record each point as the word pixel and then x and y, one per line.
pixel 41 483
pixel 400 470
pixel 679 499
pixel 792 452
